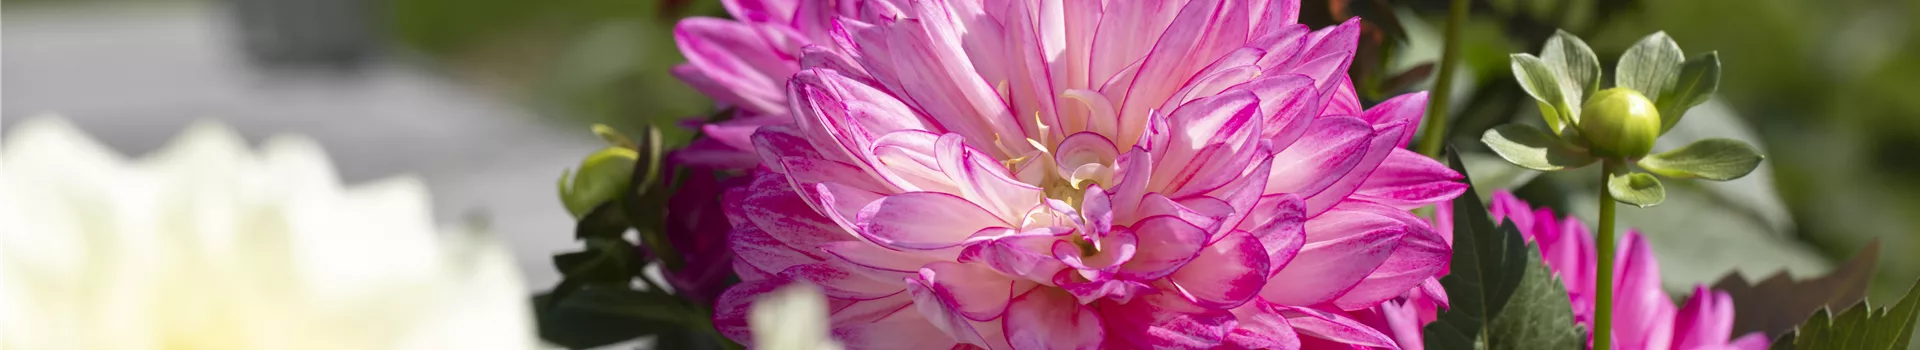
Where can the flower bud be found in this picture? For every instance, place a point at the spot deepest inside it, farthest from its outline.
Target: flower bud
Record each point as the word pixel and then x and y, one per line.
pixel 603 176
pixel 1620 123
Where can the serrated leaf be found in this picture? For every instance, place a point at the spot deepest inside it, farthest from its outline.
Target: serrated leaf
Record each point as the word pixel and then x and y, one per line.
pixel 1699 78
pixel 1636 188
pixel 1539 80
pixel 1534 149
pixel 1778 303
pixel 1488 280
pixel 1577 68
pixel 1859 327
pixel 1715 159
pixel 594 317
pixel 1650 66
pixel 1539 315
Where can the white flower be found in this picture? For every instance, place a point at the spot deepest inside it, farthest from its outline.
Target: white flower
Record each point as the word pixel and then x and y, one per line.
pixel 209 245
pixel 791 318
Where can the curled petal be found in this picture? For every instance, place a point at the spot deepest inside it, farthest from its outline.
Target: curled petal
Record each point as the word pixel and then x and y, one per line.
pixel 1226 274
pixel 1342 248
pixel 1100 287
pixel 1167 243
pixel 923 221
pixel 1050 319
pixel 1025 256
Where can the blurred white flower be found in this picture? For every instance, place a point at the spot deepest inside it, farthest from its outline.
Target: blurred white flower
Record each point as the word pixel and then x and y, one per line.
pixel 208 245
pixel 791 318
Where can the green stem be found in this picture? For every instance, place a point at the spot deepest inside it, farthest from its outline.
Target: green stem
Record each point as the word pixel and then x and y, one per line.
pixel 1437 109
pixel 1603 281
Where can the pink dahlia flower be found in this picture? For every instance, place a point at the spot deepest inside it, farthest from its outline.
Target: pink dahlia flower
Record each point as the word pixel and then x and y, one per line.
pixel 1644 315
pixel 1042 174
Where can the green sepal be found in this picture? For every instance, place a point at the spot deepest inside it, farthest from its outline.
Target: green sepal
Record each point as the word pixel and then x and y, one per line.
pixel 1539 81
pixel 1651 66
pixel 1636 188
pixel 1859 327
pixel 1714 159
pixel 1699 78
pixel 1530 148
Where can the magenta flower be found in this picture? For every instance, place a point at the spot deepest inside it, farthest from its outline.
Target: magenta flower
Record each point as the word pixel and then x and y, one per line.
pixel 1037 174
pixel 1644 315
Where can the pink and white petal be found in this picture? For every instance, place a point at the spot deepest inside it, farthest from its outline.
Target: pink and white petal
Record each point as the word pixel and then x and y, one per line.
pixel 982 180
pixel 1205 213
pixel 923 221
pixel 777 11
pixel 876 262
pixel 1102 286
pixel 1403 109
pixel 1420 257
pixel 1134 169
pixel 1284 232
pixel 973 291
pixel 905 329
pixel 1163 321
pixel 842 203
pixel 1335 327
pixel 1378 148
pixel 842 283
pixel 730 312
pixel 909 156
pixel 1331 51
pixel 1166 244
pixel 770 203
pixel 1273 15
pixel 1046 318
pixel 775 142
pixel 1213 139
pixel 1201 31
pixel 765 254
pixel 1340 98
pixel 1408 180
pixel 1019 256
pixel 1262 327
pixel 1109 251
pixel 899 54
pixel 1342 248
pixel 1331 148
pixel 734 55
pixel 1226 274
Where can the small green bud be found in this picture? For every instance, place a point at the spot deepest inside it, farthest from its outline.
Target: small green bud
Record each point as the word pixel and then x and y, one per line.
pixel 1620 123
pixel 603 177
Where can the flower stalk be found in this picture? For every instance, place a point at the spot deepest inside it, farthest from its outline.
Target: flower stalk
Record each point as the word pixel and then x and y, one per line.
pixel 1437 106
pixel 1603 276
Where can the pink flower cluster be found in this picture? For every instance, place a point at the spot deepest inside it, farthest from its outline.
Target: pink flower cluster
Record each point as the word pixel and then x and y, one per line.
pixel 1040 174
pixel 1644 315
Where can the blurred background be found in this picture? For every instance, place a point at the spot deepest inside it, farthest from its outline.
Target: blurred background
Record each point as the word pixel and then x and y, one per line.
pixel 489 99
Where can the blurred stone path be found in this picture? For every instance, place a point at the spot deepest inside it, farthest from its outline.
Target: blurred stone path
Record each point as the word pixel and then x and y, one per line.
pixel 133 75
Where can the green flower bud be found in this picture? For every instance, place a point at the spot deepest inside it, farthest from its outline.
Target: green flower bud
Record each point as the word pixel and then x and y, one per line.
pixel 603 177
pixel 1619 123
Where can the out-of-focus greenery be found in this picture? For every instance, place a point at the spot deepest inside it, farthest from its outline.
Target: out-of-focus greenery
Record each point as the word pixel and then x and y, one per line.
pixel 581 61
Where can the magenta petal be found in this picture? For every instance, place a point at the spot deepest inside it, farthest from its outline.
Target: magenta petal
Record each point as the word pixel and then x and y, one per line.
pixel 771 204
pixel 730 313
pixel 1336 327
pixel 1164 321
pixel 1643 313
pixel 1226 274
pixel 1705 321
pixel 1166 244
pixel 1378 148
pixel 1342 248
pixel 904 329
pixel 764 253
pixel 1408 180
pixel 1049 319
pixel 1281 228
pixel 923 220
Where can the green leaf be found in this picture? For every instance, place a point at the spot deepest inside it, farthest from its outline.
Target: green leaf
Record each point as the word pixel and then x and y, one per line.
pixel 1636 188
pixel 595 317
pixel 1575 66
pixel 1777 303
pixel 1699 79
pixel 1539 315
pixel 607 261
pixel 1539 80
pixel 1859 327
pixel 1714 159
pixel 1650 66
pixel 1501 296
pixel 1534 149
